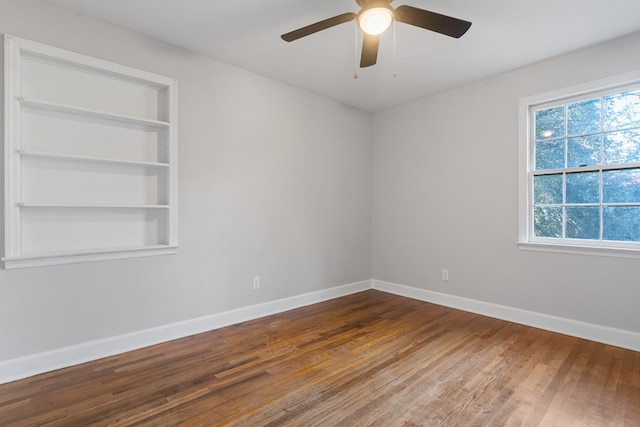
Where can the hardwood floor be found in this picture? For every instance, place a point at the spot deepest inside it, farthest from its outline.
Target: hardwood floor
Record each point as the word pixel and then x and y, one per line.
pixel 366 359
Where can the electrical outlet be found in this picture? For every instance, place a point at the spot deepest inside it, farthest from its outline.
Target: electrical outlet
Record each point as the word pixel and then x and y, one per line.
pixel 445 275
pixel 256 283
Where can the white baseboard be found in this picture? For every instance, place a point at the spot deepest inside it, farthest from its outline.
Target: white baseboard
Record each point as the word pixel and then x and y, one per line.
pixel 603 334
pixel 23 367
pixel 27 366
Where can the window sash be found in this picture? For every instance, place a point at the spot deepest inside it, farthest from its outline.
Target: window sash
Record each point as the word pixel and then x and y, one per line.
pixel 567 96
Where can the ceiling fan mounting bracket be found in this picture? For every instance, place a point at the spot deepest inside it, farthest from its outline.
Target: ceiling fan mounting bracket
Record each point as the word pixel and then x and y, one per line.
pixel 366 3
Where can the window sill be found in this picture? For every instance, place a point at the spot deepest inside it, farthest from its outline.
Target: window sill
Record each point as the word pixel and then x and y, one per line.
pixel 579 249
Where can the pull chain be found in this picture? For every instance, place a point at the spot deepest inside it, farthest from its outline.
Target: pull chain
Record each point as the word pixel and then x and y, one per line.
pixel 394 48
pixel 355 56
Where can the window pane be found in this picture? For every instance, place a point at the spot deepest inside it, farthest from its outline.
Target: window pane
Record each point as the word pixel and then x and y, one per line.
pixel 583 187
pixel 621 110
pixel 550 123
pixel 547 222
pixel 583 117
pixel 585 168
pixel 622 147
pixel 550 154
pixel 621 186
pixel 583 222
pixel 547 189
pixel 583 151
pixel 621 223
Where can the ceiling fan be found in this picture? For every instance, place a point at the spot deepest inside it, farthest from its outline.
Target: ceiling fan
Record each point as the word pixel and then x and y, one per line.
pixel 374 18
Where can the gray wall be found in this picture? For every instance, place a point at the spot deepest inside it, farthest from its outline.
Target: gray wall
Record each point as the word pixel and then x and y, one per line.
pixel 273 181
pixel 276 182
pixel 445 180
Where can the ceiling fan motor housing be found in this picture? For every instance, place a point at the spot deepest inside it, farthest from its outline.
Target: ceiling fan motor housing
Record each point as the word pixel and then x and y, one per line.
pixel 376 17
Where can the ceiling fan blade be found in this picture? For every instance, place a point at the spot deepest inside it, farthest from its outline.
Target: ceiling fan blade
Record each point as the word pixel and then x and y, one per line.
pixel 318 26
pixel 442 24
pixel 369 50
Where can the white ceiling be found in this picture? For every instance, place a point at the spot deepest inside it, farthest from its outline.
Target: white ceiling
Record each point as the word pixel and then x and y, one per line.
pixel 506 34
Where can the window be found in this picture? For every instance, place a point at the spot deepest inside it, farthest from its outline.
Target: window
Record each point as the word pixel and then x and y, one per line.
pixel 580 183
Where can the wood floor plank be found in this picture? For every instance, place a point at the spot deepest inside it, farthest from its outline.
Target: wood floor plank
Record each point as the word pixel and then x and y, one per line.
pixel 368 359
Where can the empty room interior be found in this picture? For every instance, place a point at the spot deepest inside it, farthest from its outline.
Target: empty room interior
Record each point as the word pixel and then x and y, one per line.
pixel 214 214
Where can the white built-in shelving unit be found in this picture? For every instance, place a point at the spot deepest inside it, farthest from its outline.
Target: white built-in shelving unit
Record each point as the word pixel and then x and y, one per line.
pixel 90 158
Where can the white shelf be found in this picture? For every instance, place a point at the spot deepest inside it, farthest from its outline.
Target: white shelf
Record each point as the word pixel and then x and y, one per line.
pixel 65 257
pixel 59 156
pixel 68 109
pixel 90 158
pixel 76 205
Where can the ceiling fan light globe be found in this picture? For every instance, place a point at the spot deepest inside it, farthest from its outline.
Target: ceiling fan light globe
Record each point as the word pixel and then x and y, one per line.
pixel 376 20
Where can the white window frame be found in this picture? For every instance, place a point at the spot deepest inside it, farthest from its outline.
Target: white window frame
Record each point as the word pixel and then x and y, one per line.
pixel 573 246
